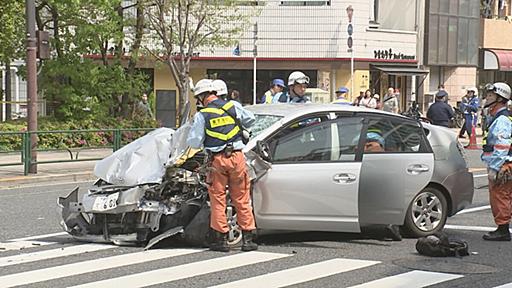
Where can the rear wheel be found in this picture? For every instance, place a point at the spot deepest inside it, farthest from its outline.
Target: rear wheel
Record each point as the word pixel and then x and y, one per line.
pixel 426 214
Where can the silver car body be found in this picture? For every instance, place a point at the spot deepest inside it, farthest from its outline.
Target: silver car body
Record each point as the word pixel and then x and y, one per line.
pixel 345 196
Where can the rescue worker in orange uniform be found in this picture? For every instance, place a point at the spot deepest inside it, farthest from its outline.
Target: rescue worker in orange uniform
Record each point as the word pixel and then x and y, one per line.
pixel 217 128
pixel 497 155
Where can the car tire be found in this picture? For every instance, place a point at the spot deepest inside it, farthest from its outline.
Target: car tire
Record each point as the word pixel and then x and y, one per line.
pixel 426 214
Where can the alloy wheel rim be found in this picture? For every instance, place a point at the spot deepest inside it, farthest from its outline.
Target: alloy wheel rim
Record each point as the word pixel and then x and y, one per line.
pixel 427 211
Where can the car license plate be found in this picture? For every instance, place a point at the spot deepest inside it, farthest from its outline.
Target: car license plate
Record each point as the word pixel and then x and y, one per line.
pixel 108 202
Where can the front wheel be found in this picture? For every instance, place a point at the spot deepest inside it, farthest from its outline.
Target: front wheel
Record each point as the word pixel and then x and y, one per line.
pixel 426 214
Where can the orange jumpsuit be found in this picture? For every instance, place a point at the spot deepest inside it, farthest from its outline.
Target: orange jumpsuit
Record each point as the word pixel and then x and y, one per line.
pixel 230 171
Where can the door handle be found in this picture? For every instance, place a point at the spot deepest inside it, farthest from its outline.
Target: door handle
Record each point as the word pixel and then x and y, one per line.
pixel 344 178
pixel 417 169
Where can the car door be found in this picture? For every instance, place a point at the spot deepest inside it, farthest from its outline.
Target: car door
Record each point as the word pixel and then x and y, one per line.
pixel 314 178
pixel 391 177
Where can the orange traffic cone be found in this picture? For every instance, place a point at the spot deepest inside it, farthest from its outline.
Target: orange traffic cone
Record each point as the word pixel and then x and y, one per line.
pixel 472 139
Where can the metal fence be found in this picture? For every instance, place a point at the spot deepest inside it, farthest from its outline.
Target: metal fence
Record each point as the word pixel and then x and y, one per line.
pixel 25 152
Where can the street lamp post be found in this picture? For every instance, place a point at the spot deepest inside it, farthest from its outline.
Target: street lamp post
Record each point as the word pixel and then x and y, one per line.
pixel 30 10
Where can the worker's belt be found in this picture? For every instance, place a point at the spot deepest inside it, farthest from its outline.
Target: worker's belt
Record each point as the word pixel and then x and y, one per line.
pixel 228 151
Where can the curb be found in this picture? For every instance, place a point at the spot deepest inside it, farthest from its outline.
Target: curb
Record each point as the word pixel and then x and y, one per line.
pixel 44 179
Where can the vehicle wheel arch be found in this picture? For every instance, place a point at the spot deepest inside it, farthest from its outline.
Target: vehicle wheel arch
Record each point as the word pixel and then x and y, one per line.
pixel 447 195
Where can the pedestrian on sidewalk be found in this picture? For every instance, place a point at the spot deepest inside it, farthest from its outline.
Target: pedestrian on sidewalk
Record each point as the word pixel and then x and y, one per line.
pixel 440 113
pixel 341 97
pixel 470 110
pixel 496 154
pixel 390 102
pixel 218 127
pixel 277 87
pixel 368 101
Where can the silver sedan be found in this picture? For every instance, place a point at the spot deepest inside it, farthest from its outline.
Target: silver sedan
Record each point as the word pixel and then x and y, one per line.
pixel 341 168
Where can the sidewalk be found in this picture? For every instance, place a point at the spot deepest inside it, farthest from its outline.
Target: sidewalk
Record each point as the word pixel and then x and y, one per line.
pixel 12 176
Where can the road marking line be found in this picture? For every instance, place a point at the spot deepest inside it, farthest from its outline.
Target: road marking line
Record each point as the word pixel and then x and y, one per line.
pixel 479 175
pixel 413 279
pixel 471 228
pixel 38 236
pixel 186 271
pixel 20 245
pixel 301 274
pixel 83 267
pixel 508 285
pixel 474 209
pixel 50 254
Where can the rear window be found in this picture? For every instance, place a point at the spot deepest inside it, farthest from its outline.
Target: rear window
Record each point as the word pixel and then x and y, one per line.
pixel 263 122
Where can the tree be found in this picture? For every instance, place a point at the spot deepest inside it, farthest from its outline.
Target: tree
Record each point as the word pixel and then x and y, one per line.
pixel 181 27
pixel 11 39
pixel 91 27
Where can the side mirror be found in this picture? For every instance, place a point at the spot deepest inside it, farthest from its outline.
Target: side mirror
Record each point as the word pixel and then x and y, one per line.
pixel 263 151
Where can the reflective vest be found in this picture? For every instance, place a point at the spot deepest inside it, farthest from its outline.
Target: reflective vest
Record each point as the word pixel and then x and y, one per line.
pixel 267 98
pixel 220 127
pixel 342 101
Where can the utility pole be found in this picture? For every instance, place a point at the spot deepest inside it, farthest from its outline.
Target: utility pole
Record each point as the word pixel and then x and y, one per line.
pixel 254 54
pixel 30 9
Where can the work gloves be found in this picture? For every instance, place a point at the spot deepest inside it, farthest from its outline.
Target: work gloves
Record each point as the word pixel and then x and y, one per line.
pixel 505 174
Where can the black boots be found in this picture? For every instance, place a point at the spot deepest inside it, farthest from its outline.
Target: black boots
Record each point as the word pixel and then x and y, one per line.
pixel 247 244
pixel 219 241
pixel 500 234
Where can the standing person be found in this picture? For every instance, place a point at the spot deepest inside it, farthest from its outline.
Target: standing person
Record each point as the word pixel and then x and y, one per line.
pixel 440 113
pixel 470 110
pixel 221 89
pixel 235 95
pixel 390 102
pixel 464 101
pixel 218 128
pixel 142 108
pixel 440 87
pixel 377 98
pixel 496 154
pixel 276 87
pixel 368 101
pixel 357 101
pixel 297 84
pixel 341 96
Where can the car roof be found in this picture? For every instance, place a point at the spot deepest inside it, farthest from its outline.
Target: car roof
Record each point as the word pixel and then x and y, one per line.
pixel 296 109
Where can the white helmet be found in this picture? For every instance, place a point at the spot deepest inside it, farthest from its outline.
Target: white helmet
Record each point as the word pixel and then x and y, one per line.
pixel 474 89
pixel 500 88
pixel 203 85
pixel 297 77
pixel 221 87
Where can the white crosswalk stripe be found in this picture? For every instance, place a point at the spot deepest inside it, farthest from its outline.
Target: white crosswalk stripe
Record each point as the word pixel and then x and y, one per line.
pixel 185 271
pixel 50 254
pixel 283 277
pixel 413 279
pixel 508 285
pixel 20 245
pixel 89 266
pixel 301 274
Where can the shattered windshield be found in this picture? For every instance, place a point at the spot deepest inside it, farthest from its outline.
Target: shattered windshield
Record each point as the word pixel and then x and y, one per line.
pixel 263 122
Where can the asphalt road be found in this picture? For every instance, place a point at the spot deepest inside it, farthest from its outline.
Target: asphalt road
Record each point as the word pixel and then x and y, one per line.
pixel 295 260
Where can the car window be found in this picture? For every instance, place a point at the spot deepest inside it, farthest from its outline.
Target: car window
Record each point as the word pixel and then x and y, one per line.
pixel 349 132
pixel 307 139
pixel 263 122
pixel 387 135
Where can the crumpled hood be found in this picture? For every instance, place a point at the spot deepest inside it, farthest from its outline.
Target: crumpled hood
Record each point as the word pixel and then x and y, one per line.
pixel 141 161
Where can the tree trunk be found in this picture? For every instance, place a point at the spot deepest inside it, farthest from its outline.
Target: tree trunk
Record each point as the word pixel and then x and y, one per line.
pixel 8 92
pixel 56 35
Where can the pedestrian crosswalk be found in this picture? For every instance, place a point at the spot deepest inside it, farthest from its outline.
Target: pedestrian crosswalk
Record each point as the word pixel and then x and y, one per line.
pixel 58 263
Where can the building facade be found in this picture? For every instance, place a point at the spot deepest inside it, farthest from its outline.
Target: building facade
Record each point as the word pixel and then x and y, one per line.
pixel 313 36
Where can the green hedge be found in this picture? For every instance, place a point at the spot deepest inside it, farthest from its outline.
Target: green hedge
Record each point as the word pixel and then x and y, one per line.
pixel 75 140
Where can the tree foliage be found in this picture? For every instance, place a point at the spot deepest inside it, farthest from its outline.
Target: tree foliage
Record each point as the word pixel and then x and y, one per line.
pixel 181 27
pixel 71 81
pixel 12 29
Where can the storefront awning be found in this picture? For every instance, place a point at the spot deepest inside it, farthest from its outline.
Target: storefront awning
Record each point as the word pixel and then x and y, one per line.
pixel 401 71
pixel 495 59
